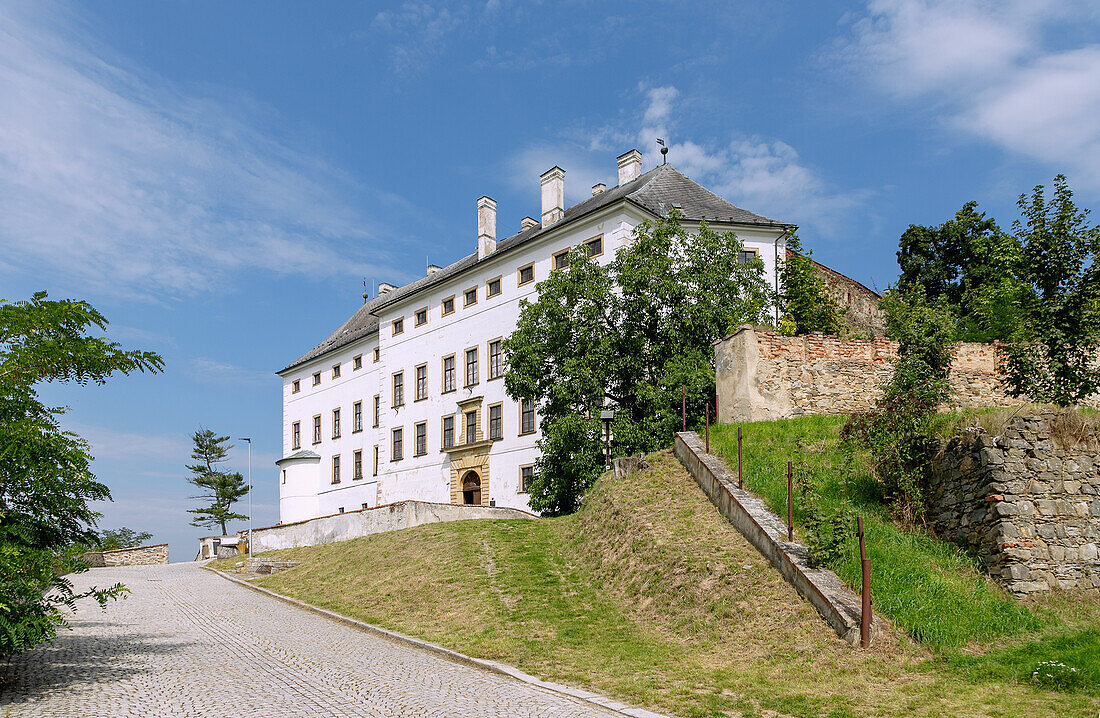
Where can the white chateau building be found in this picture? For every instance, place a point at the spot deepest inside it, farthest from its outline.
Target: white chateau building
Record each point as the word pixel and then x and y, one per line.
pixel 406 399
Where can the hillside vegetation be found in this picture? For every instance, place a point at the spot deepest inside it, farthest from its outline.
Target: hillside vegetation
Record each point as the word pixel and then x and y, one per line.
pixel 646 594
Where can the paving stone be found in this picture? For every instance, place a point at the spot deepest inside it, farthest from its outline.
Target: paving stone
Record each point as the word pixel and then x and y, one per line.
pixel 186 642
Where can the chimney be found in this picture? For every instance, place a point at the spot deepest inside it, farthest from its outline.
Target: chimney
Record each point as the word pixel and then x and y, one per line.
pixel 553 195
pixel 433 268
pixel 630 166
pixel 528 223
pixel 598 188
pixel 486 226
pixel 384 287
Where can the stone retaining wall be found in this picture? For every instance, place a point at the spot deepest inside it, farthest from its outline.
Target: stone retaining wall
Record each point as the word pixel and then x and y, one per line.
pixel 748 513
pixel 136 556
pixel 364 522
pixel 1026 500
pixel 763 375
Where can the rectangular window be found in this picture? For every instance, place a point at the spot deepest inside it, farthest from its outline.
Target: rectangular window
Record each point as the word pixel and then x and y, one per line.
pixel 336 423
pixel 496 421
pixel 448 373
pixel 471 366
pixel 447 306
pixel 398 325
pixel 594 247
pixel 561 259
pixel 357 417
pixel 377 410
pixel 421 316
pixel 375 460
pixel 296 386
pixel 448 432
pixel 336 371
pixel 357 362
pixel 471 426
pixel 746 256
pixel 525 474
pixel 527 417
pixel 316 378
pixel 399 389
pixel 469 297
pixel 421 438
pixel 492 287
pixel 398 451
pixel 496 360
pixel 317 429
pixel 284 476
pixel 357 464
pixel 336 469
pixel 422 382
pixel 526 274
pixel 296 435
pixel 377 354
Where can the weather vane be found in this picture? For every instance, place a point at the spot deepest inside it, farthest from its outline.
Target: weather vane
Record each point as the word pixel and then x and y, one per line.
pixel 664 151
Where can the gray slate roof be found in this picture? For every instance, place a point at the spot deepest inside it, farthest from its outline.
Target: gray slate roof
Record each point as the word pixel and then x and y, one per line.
pixel 656 191
pixel 303 454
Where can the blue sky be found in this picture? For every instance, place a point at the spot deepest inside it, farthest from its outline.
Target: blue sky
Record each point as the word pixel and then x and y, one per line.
pixel 220 178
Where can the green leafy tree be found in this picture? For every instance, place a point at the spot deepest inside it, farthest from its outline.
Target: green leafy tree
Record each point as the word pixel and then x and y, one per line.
pixel 46 482
pixel 970 266
pixel 220 488
pixel 110 539
pixel 805 303
pixel 632 334
pixel 1053 353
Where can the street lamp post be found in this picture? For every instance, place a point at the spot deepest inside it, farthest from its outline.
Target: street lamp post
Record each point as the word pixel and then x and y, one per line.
pixel 607 416
pixel 249 494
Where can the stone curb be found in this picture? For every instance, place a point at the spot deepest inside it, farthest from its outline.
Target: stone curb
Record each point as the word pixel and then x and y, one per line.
pixel 491 666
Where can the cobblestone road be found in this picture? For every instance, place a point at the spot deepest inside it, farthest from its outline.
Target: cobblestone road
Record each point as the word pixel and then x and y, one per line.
pixel 189 643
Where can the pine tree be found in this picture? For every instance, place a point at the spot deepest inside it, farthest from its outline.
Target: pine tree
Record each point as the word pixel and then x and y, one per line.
pixel 221 488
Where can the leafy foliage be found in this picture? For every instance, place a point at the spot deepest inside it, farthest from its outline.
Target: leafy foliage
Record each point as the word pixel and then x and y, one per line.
pixel 632 334
pixel 121 537
pixel 220 488
pixel 45 472
pixel 970 265
pixel 899 430
pixel 806 305
pixel 1053 353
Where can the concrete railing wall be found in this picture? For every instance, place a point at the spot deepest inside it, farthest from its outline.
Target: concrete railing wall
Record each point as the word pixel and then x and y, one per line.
pixel 748 513
pixel 364 522
pixel 762 375
pixel 1027 501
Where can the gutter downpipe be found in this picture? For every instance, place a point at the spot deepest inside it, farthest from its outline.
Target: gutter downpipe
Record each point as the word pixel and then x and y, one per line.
pixel 782 235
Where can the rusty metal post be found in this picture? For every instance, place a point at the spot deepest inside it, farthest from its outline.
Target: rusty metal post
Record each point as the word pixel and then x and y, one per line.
pixel 790 501
pixel 740 485
pixel 708 427
pixel 865 614
pixel 684 408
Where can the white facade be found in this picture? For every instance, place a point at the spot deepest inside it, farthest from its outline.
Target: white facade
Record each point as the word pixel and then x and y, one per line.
pixel 308 487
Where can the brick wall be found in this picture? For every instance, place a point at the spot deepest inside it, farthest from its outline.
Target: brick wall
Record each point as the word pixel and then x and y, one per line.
pixel 764 375
pixel 1026 500
pixel 137 556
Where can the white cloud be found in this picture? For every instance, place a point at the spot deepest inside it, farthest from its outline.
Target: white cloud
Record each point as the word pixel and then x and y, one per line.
pixel 993 70
pixel 219 372
pixel 134 448
pixel 121 183
pixel 762 175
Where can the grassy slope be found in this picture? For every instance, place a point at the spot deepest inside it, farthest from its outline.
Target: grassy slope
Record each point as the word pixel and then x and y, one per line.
pixel 928 587
pixel 646 594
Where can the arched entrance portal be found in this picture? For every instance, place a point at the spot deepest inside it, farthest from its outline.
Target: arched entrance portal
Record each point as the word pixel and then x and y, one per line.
pixel 471 488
